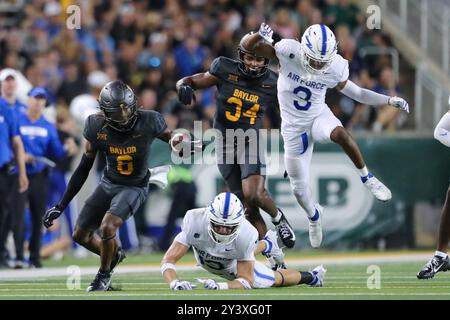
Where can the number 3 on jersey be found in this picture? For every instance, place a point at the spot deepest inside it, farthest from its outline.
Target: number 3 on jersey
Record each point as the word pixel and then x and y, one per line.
pixel 125 165
pixel 304 94
pixel 251 113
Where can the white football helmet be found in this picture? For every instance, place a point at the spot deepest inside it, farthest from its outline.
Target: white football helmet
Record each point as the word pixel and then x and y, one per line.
pixel 319 48
pixel 226 210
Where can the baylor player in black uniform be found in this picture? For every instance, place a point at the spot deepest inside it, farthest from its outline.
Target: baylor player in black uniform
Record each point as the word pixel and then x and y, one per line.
pixel 246 88
pixel 124 134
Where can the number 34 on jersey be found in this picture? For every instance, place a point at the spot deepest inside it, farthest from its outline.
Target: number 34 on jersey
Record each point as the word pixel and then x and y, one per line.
pixel 237 100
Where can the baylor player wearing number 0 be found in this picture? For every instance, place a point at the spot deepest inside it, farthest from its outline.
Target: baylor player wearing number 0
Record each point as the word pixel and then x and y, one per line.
pixel 225 244
pixel 124 134
pixel 307 69
pixel 246 88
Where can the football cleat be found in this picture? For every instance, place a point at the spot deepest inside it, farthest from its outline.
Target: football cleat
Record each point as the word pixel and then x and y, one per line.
pixel 435 265
pixel 273 252
pixel 102 282
pixel 285 231
pixel 319 273
pixel 315 228
pixel 378 189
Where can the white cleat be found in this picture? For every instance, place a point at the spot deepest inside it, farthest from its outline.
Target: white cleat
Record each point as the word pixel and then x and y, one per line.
pixel 273 251
pixel 315 229
pixel 378 189
pixel 319 272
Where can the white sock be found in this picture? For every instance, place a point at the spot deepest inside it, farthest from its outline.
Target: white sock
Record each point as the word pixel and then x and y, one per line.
pixel 363 172
pixel 441 254
pixel 277 218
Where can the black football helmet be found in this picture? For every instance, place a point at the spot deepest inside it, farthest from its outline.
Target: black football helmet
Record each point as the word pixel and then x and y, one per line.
pixel 119 104
pixel 247 69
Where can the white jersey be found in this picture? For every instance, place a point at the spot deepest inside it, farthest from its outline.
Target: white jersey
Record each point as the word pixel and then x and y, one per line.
pixel 301 99
pixel 220 259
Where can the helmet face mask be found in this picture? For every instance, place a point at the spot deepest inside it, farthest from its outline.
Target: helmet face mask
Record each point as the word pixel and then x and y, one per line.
pixel 251 65
pixel 314 66
pixel 225 214
pixel 119 104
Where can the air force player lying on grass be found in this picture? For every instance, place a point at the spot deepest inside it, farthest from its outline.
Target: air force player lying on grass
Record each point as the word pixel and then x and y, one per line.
pixel 307 69
pixel 225 244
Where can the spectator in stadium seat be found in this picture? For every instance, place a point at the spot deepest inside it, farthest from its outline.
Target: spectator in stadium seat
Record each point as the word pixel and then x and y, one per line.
pixel 386 119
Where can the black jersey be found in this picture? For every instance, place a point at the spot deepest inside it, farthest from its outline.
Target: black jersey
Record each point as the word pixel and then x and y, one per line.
pixel 241 100
pixel 126 153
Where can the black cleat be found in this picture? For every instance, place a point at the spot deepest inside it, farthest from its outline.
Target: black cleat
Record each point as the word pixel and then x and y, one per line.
pixel 102 282
pixel 118 258
pixel 435 265
pixel 35 264
pixel 285 231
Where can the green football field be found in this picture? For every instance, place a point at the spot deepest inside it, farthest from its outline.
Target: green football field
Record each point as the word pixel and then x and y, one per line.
pixel 349 276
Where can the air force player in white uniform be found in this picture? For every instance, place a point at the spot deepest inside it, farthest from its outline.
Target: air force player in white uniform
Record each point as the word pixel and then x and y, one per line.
pixel 224 244
pixel 307 69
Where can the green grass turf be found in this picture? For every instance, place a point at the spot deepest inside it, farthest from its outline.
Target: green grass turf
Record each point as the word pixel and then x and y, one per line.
pixel 398 281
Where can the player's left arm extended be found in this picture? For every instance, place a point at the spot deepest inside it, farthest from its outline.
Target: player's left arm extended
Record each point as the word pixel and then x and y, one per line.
pixel 442 131
pixel 353 91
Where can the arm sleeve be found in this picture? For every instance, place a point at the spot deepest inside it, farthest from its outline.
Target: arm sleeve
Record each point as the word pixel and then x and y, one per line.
pixel 250 243
pixel 285 47
pixel 182 238
pixel 13 124
pixel 76 181
pixel 442 131
pixel 88 131
pixel 159 124
pixel 362 95
pixel 214 68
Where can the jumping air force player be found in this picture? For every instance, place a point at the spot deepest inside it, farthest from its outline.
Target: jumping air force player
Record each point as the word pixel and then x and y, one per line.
pixel 307 69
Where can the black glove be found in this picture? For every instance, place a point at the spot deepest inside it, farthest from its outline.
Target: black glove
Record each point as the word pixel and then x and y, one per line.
pixel 186 94
pixel 51 214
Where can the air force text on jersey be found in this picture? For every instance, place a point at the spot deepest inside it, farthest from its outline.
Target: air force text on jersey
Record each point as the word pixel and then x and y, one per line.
pixel 308 83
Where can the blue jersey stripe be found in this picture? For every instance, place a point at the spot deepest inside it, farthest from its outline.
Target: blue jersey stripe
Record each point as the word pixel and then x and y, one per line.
pixel 264 276
pixel 324 39
pixel 304 137
pixel 227 205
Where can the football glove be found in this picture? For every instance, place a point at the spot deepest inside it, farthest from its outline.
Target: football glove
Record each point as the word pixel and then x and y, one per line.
pixel 266 32
pixel 180 285
pixel 209 284
pixel 399 103
pixel 51 214
pixel 186 94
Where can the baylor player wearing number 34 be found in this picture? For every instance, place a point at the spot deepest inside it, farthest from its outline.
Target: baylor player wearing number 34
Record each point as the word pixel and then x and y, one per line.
pixel 246 88
pixel 307 69
pixel 124 134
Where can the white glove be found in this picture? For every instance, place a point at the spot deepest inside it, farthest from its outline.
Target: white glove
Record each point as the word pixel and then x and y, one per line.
pixel 400 103
pixel 209 284
pixel 266 32
pixel 180 285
